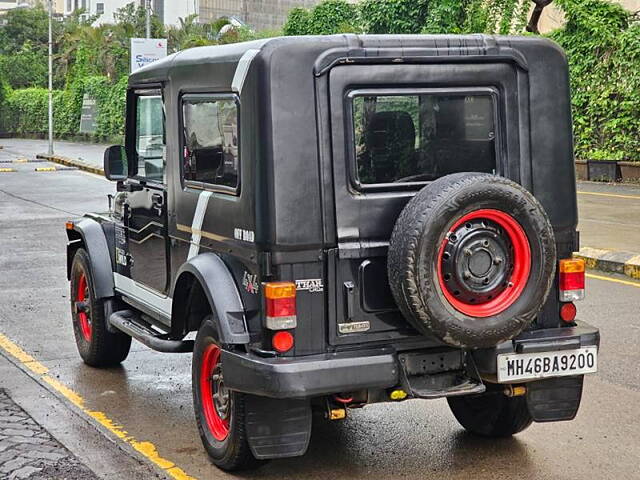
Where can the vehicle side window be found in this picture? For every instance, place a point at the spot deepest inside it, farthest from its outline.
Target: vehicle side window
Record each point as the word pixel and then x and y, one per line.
pixel 211 153
pixel 150 135
pixel 405 138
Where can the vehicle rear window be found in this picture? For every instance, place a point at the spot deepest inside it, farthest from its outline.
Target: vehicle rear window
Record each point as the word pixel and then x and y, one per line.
pixel 408 138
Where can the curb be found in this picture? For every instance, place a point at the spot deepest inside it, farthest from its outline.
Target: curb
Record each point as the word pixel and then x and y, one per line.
pixel 624 263
pixel 70 162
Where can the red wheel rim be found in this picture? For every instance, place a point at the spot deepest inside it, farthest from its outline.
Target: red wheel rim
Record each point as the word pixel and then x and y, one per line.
pixel 519 275
pixel 211 384
pixel 82 295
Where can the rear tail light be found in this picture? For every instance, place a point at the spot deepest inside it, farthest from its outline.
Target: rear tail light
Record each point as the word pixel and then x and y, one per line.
pixel 571 280
pixel 280 305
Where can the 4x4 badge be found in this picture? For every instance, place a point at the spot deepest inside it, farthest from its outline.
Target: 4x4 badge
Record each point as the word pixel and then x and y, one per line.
pixel 311 285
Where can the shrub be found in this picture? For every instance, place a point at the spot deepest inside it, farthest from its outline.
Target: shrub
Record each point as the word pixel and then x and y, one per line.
pixel 603 47
pixel 394 16
pixel 25 111
pixel 298 22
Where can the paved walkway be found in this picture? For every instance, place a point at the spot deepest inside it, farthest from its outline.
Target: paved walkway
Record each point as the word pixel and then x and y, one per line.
pixel 27 451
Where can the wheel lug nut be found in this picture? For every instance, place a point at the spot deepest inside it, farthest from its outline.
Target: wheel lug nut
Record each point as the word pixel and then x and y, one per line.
pixel 467 252
pixel 466 275
pixel 497 261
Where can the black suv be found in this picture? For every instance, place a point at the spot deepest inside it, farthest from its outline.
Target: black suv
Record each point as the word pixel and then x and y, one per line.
pixel 344 220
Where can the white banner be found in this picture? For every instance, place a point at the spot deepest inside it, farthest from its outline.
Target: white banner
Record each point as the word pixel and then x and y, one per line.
pixel 147 50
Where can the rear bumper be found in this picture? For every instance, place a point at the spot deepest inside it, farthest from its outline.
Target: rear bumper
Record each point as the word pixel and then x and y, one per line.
pixel 311 375
pixel 314 375
pixel 546 340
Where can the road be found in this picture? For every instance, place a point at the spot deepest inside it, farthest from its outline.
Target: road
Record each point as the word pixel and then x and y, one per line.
pixel 149 396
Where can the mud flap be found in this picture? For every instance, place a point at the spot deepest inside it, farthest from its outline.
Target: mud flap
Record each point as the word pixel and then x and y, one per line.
pixel 277 428
pixel 554 399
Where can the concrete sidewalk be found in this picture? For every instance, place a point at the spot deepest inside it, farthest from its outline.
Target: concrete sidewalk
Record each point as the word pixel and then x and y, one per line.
pixel 609 213
pixel 88 153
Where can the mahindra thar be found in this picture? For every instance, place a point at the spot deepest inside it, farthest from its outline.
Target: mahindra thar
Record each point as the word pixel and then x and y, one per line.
pixel 344 220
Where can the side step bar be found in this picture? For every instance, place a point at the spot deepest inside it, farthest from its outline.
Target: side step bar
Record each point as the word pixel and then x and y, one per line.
pixel 130 323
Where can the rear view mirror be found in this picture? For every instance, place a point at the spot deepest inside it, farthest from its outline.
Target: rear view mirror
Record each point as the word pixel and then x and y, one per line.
pixel 116 167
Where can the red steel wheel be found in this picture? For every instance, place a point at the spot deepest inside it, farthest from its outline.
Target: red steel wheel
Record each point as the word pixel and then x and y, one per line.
pixel 497 245
pixel 214 395
pixel 82 299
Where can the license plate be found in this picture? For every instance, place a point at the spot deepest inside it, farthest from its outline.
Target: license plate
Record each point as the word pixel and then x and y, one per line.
pixel 526 366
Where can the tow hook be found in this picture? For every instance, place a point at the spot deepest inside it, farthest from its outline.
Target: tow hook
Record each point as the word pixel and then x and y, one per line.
pixel 515 390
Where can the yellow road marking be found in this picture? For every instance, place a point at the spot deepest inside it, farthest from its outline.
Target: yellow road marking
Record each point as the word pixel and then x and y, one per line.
pixel 147 449
pixel 21 160
pixel 616 280
pixel 6 170
pixel 615 195
pixel 45 169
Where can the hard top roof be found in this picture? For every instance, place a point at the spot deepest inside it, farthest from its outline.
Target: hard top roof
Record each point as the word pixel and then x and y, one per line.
pixel 402 44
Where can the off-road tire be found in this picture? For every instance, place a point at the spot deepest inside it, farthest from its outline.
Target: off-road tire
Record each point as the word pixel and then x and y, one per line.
pixel 100 348
pixel 415 246
pixel 233 452
pixel 491 414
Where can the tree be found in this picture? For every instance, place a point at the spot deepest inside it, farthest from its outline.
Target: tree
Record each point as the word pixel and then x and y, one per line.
pixel 394 16
pixel 27 67
pixel 189 33
pixel 132 20
pixel 25 25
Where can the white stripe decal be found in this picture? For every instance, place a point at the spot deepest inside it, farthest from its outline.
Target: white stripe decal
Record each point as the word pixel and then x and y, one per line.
pixel 133 289
pixel 242 69
pixel 196 226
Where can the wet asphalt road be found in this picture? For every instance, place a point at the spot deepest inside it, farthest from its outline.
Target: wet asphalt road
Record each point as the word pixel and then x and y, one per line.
pixel 150 395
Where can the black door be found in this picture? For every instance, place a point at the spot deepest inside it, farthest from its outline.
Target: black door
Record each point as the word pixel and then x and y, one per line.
pixel 146 205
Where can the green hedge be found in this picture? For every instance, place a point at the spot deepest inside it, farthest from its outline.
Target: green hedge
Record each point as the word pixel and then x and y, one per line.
pixel 25 111
pixel 602 43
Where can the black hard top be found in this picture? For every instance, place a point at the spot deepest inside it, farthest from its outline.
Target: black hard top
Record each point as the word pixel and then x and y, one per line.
pixel 331 47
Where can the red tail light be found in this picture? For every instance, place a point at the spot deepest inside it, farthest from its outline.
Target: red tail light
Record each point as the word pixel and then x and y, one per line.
pixel 280 305
pixel 571 279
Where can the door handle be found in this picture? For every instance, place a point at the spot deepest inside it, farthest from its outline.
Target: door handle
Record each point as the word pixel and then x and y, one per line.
pixel 157 200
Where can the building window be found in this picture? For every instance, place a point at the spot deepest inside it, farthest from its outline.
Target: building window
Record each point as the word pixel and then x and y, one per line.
pixel 211 143
pixel 100 8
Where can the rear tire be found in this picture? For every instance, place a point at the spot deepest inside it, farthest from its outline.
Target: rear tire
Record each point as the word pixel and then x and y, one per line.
pixel 97 346
pixel 491 414
pixel 221 421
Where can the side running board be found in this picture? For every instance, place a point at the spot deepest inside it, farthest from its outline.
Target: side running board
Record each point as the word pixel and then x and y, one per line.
pixel 130 323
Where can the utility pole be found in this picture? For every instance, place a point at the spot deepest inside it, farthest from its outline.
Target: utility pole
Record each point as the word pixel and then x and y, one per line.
pixel 50 78
pixel 148 11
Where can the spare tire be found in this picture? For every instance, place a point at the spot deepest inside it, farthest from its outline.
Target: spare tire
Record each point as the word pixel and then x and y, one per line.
pixel 471 259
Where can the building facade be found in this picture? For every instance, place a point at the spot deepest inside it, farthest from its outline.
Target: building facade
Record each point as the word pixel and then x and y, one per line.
pixel 58 5
pixel 169 11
